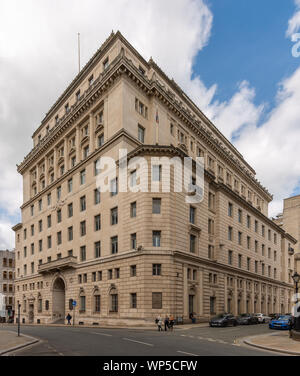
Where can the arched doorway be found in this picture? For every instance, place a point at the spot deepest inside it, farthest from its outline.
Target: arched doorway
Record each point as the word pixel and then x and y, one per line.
pixel 58 300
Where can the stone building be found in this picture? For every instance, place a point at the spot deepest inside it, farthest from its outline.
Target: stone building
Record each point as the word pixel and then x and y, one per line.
pixel 289 220
pixel 7 275
pixel 129 256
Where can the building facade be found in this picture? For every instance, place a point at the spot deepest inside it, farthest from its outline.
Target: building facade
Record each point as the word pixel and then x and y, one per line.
pixel 7 275
pixel 289 220
pixel 126 257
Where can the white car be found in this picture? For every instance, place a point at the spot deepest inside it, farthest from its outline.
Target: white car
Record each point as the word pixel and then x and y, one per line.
pixel 262 318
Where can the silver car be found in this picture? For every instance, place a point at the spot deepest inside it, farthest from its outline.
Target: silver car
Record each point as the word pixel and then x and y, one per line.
pixel 262 318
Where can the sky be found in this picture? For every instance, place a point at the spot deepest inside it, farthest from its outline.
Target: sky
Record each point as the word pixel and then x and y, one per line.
pixel 232 57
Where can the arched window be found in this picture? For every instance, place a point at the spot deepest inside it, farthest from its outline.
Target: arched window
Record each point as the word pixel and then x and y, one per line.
pixel 113 300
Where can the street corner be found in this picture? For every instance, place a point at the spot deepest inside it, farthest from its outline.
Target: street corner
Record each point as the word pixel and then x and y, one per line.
pixel 10 341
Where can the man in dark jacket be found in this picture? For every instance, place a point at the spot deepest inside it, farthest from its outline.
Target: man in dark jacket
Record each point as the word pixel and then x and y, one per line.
pixel 69 318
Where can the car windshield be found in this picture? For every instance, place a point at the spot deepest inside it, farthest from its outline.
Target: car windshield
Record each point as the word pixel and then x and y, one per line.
pixel 284 318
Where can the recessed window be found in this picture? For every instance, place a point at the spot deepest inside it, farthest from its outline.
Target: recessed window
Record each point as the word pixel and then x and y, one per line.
pixel 141 134
pixel 156 206
pixel 83 253
pixel 156 269
pixel 97 221
pixel 98 249
pixel 97 197
pixel 156 238
pixel 133 241
pixel 114 216
pixel 133 210
pixel 114 245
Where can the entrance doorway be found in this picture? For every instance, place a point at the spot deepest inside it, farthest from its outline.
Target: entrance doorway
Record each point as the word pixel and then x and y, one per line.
pixel 58 300
pixel 191 304
pixel 31 314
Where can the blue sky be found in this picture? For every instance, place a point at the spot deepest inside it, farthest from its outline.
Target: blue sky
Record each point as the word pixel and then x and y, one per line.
pixel 248 42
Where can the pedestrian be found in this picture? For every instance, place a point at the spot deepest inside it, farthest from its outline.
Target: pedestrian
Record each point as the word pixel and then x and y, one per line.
pixel 158 321
pixel 69 318
pixel 166 323
pixel 171 323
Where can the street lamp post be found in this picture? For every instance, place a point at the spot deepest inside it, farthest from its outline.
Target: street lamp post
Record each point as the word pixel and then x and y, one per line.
pixel 19 306
pixel 296 279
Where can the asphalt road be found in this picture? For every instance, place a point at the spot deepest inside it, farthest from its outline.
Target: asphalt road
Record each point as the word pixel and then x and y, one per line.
pixel 69 341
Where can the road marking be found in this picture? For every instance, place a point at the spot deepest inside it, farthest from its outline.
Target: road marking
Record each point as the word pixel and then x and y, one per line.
pixel 211 340
pixel 186 353
pixel 142 343
pixel 102 334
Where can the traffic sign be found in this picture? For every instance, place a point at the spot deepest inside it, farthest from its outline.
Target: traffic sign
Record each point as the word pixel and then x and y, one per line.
pixel 74 303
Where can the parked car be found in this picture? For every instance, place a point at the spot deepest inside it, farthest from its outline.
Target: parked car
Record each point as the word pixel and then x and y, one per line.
pixel 224 319
pixel 274 315
pixel 247 319
pixel 262 318
pixel 282 322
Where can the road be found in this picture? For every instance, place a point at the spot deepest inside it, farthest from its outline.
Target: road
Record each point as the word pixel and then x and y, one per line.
pixel 69 341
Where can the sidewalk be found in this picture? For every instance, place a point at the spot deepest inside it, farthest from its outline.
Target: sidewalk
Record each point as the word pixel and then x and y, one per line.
pixel 278 342
pixel 9 341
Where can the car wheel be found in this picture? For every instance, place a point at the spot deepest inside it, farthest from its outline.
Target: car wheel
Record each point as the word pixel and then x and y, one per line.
pixel 263 321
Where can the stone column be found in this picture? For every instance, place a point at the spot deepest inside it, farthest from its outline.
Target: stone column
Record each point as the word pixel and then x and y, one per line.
pixel 225 294
pixel 259 297
pixel 200 293
pixel 235 298
pixel 245 296
pixel 252 296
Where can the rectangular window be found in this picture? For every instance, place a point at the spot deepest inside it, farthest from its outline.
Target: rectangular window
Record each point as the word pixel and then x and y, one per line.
pixel 82 204
pixel 156 173
pixel 240 235
pixel 70 185
pixel 40 226
pixel 70 233
pixel 133 300
pixel 133 210
pixel 230 233
pixel 59 240
pixel 58 216
pixel 82 304
pixel 192 215
pixel 97 249
pixel 133 241
pixel 49 241
pixel 141 134
pixel 230 209
pixel 70 210
pixel 97 222
pixel 240 216
pixel 97 301
pixel 49 199
pixel 82 177
pixel 97 197
pixel 83 253
pixel 192 243
pixel 156 269
pixel 114 303
pixel 156 300
pixel 156 238
pixel 133 271
pixel 248 263
pixel 114 245
pixel 40 245
pixel 58 192
pixel 240 261
pixel 230 257
pixel 114 216
pixel 156 206
pixel 114 187
pixel 82 228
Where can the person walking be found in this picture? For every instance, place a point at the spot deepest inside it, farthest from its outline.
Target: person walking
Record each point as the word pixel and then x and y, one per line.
pixel 166 323
pixel 69 318
pixel 159 323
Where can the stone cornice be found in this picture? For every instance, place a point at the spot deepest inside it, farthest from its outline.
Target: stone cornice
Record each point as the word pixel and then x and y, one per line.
pixel 17 227
pixel 122 65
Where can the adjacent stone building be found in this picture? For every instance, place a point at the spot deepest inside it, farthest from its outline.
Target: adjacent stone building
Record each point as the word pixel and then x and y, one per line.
pixel 7 275
pixel 126 257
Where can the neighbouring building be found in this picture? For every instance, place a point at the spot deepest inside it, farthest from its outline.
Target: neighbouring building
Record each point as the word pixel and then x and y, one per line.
pixel 289 220
pixel 7 276
pixel 127 257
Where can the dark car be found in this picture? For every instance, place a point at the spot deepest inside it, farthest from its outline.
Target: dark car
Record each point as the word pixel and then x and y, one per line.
pixel 282 322
pixel 247 319
pixel 224 319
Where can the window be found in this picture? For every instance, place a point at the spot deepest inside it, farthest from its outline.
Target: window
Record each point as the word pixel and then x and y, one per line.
pixel 82 177
pixel 192 243
pixel 49 241
pixel 67 108
pixel 114 245
pixel 255 226
pixel 117 273
pixel 263 269
pixel 114 216
pixel 230 233
pixel 70 233
pixel 49 221
pixel 211 201
pixel 97 249
pixel 77 96
pixel 82 304
pixel 248 263
pixel 141 134
pixel 156 300
pixel 156 269
pixel 32 210
pixel 133 300
pixel 82 204
pixel 97 222
pixel 156 173
pixel 40 245
pixel 70 210
pixel 230 209
pixel 70 253
pixel 133 241
pixel 100 140
pixel 83 253
pixel 230 257
pixel 105 63
pixel 91 80
pixel 211 226
pixel 133 210
pixel 114 302
pixel 211 252
pixel 86 152
pixel 240 261
pixel 58 216
pixel 263 230
pixel 248 242
pixel 133 271
pixel 110 274
pixel 248 221
pixel 97 197
pixel 133 180
pixel 97 300
pixel 256 266
pixel 114 187
pixel 40 226
pixel 100 276
pixel 269 235
pixel 32 230
pixel 59 238
pixel 58 192
pixel 240 216
pixel 192 214
pixel 240 238
pixel 70 185
pixel 156 206
pixel 82 228
pixel 156 238
pixel 32 248
pixel 73 161
pixel 40 205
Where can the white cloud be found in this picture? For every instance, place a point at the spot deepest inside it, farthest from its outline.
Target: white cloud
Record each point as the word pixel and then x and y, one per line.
pixel 294 22
pixel 6 235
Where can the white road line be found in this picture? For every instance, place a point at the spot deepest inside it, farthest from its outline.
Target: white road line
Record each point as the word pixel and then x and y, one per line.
pixel 186 353
pixel 142 343
pixel 102 334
